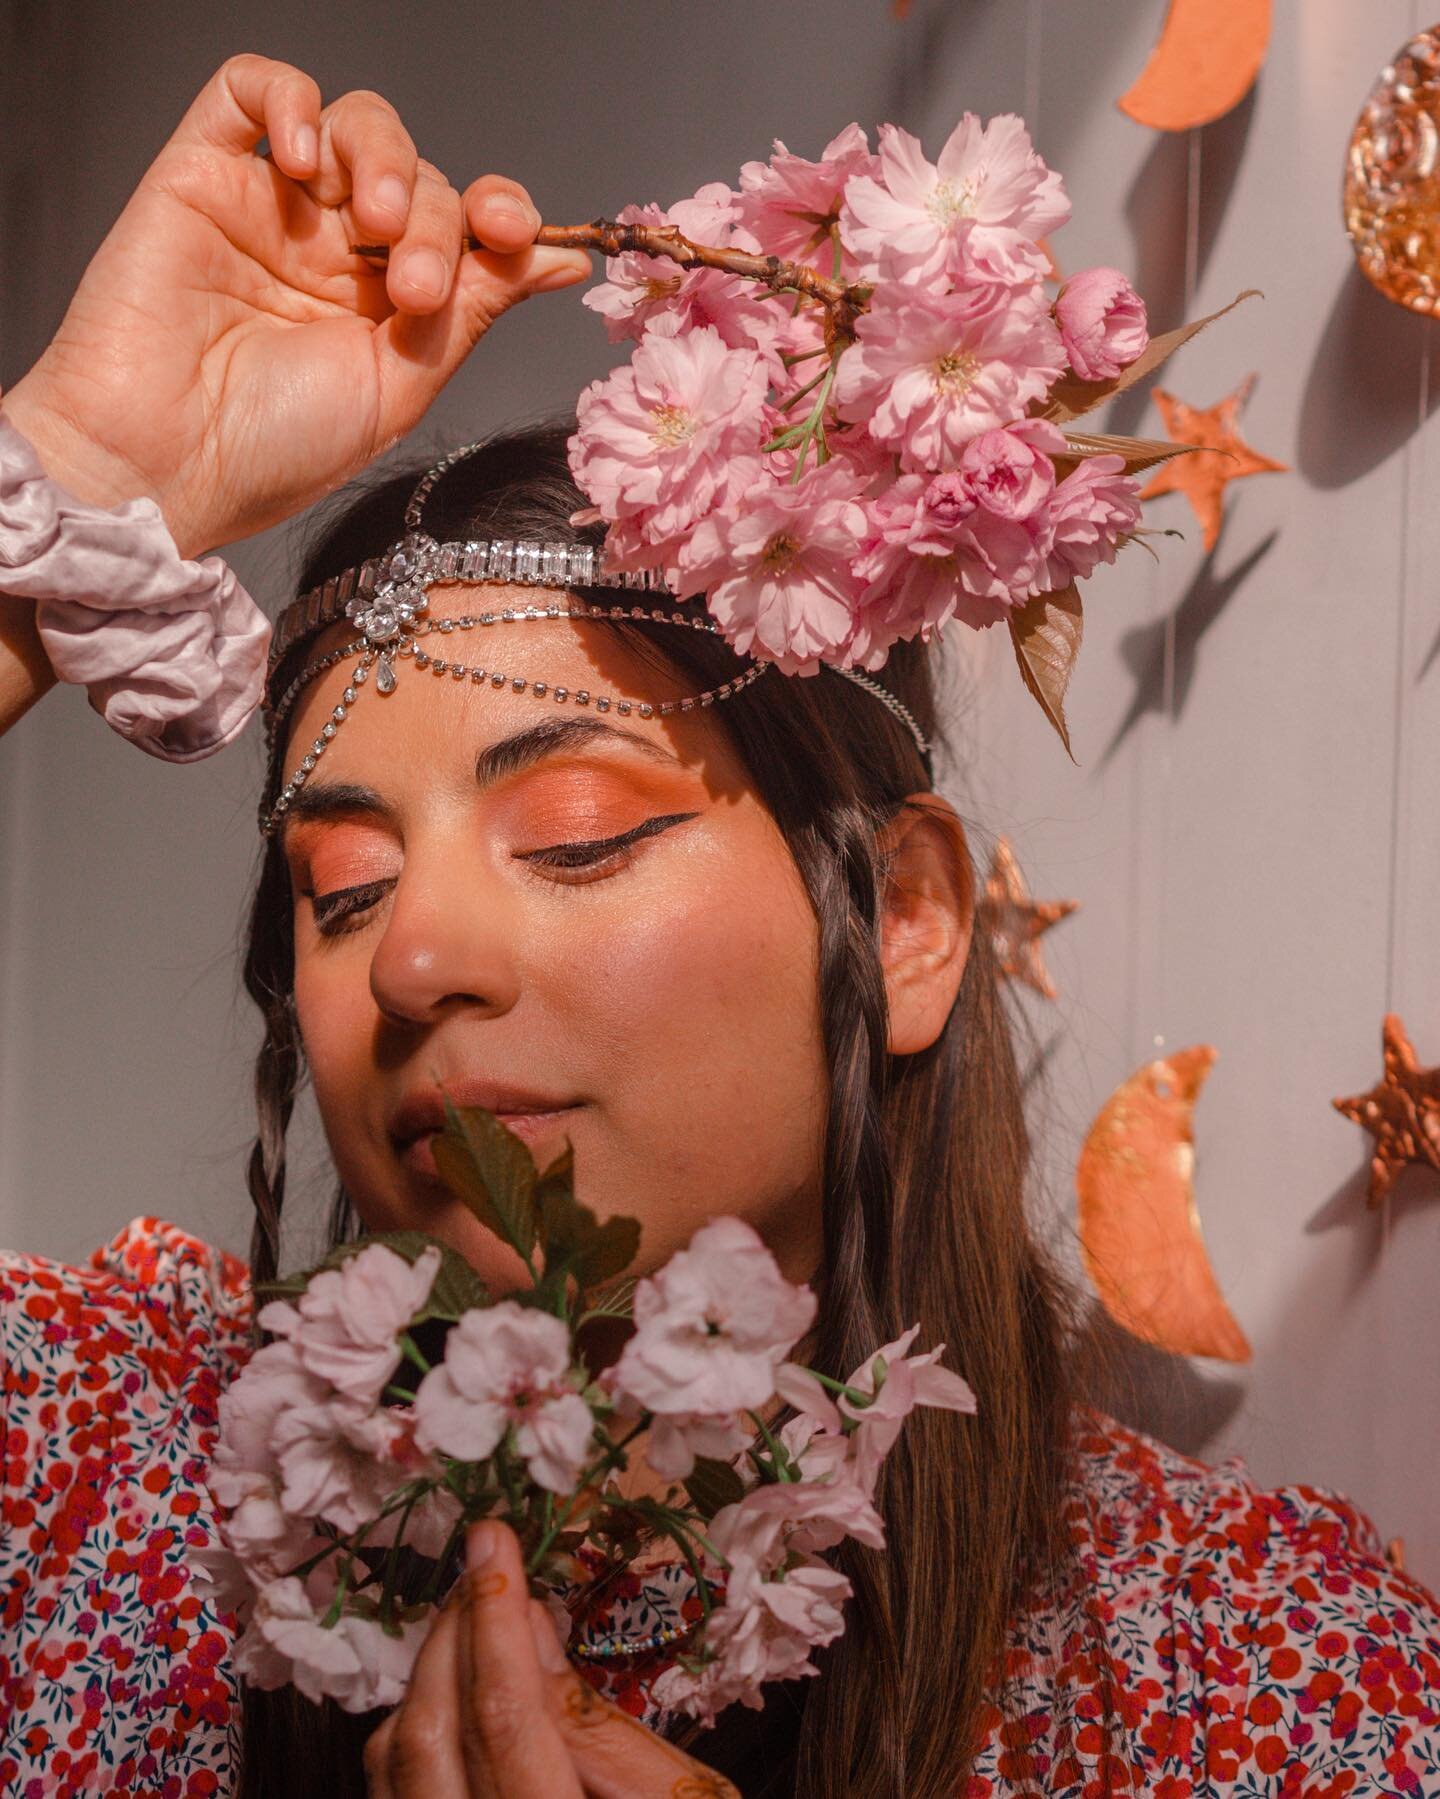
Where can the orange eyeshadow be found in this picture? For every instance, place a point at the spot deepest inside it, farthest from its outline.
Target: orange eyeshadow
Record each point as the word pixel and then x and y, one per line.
pixel 580 801
pixel 327 857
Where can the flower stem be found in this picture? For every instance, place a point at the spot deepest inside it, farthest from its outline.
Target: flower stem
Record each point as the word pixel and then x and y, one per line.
pixel 844 301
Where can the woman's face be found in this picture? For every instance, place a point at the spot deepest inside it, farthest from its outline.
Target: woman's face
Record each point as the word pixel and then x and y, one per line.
pixel 586 923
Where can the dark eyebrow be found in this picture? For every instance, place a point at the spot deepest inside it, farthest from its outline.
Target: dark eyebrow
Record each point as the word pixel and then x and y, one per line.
pixel 347 799
pixel 511 754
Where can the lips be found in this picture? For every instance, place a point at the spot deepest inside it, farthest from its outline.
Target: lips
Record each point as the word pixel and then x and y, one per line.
pixel 420 1117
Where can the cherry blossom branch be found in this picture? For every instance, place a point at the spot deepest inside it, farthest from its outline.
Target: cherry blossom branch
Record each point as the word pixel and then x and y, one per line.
pixel 844 301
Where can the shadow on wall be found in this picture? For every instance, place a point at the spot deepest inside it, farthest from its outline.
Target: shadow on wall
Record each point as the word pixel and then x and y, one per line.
pixel 1166 1396
pixel 1362 398
pixel 1197 609
pixel 1157 210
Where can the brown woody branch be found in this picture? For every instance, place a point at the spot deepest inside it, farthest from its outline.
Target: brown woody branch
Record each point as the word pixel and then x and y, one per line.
pixel 843 301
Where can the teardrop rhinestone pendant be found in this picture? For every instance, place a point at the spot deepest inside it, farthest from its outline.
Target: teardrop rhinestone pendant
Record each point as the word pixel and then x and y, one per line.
pixel 385 675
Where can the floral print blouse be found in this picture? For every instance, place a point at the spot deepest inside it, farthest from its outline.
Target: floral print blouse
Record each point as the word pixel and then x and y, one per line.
pixel 1254 1642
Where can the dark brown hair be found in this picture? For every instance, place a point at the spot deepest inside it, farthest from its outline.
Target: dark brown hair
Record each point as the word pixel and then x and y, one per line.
pixel 925 1177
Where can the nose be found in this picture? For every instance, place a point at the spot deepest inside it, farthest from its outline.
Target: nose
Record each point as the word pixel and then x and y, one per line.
pixel 449 941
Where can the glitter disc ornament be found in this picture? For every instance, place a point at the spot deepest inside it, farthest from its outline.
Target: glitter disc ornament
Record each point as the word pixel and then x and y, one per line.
pixel 1392 185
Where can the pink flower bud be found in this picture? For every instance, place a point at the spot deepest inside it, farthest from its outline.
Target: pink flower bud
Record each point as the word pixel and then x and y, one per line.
pixel 1102 323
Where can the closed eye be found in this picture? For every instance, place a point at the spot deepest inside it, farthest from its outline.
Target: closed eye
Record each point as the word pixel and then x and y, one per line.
pixel 590 855
pixel 330 910
pixel 587 856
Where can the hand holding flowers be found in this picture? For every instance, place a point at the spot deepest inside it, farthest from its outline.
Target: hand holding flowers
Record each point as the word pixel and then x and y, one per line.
pixel 398 1404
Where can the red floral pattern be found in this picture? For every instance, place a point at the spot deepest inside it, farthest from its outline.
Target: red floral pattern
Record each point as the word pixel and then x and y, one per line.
pixel 1250 1642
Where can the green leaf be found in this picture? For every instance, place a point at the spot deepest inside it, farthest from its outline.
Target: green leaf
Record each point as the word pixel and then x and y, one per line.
pixel 491 1171
pixel 577 1242
pixel 1046 634
pixel 456 1289
pixel 713 1485
pixel 574 1240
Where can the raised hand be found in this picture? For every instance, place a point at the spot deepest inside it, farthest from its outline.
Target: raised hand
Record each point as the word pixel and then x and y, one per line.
pixel 494 1710
pixel 226 354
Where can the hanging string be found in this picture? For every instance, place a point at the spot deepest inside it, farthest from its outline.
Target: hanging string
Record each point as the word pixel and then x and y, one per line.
pixel 1168 700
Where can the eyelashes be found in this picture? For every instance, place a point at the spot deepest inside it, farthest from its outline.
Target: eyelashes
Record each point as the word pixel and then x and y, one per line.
pixel 570 864
pixel 587 854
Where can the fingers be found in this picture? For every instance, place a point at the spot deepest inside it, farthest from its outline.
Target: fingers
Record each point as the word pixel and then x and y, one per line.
pixel 250 97
pixel 508 1734
pixel 504 218
pixel 416 1751
pixel 616 1755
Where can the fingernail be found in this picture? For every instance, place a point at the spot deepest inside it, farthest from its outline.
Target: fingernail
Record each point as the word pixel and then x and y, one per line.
pixel 307 144
pixel 425 270
pixel 561 277
pixel 503 209
pixel 479 1545
pixel 392 194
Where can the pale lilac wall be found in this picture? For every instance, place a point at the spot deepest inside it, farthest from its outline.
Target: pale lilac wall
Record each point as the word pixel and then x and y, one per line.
pixel 1234 860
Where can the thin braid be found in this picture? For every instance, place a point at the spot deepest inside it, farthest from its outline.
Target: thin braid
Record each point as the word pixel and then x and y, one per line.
pixel 269 980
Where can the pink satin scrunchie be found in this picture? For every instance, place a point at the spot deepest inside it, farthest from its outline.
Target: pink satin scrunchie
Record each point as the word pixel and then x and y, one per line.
pixel 172 652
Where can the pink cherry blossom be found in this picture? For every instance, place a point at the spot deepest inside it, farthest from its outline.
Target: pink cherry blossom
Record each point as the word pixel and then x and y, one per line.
pixel 1102 323
pixel 346 1324
pixel 904 1381
pixel 641 291
pixel 339 1461
pixel 790 204
pixel 672 1443
pixel 764 1630
pixel 776 568
pixel 657 438
pixel 931 553
pixel 807 1515
pixel 926 374
pixel 712 1326
pixel 507 1368
pixel 353 1661
pixel 780 1603
pixel 1090 511
pixel 272 1382
pixel 1010 473
pixel 985 201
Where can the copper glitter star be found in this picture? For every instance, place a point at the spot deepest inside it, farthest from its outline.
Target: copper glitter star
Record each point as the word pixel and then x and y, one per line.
pixel 1402 1113
pixel 1016 922
pixel 1223 456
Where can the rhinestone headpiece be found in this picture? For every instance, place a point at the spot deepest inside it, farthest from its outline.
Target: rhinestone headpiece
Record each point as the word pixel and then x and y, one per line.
pixel 387 599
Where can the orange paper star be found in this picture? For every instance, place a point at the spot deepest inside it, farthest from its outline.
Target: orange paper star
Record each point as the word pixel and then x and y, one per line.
pixel 1223 455
pixel 1016 922
pixel 1402 1113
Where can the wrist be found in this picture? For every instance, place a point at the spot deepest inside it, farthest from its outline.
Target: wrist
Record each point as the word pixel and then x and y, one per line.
pixel 73 458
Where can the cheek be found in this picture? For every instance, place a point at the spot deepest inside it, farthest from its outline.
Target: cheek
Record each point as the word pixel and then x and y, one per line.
pixel 717 1045
pixel 336 1015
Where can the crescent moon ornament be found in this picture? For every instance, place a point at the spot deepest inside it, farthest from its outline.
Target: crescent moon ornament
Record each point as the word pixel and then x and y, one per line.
pixel 1138 1223
pixel 1204 64
pixel 1392 195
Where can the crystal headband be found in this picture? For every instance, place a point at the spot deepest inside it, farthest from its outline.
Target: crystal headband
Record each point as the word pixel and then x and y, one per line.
pixel 387 598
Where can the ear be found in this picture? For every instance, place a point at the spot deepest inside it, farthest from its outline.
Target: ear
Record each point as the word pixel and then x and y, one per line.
pixel 927 918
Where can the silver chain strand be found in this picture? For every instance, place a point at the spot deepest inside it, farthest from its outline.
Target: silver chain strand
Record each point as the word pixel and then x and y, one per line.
pixel 270 818
pixel 387 595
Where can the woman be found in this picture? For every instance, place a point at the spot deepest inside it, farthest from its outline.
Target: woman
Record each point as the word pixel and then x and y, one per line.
pixel 731 955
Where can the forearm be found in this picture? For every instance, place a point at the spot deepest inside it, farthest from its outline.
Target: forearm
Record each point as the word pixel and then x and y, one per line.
pixel 25 671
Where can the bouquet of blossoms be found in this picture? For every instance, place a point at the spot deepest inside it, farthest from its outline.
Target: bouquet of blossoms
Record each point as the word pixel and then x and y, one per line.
pixel 398 1402
pixel 848 417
